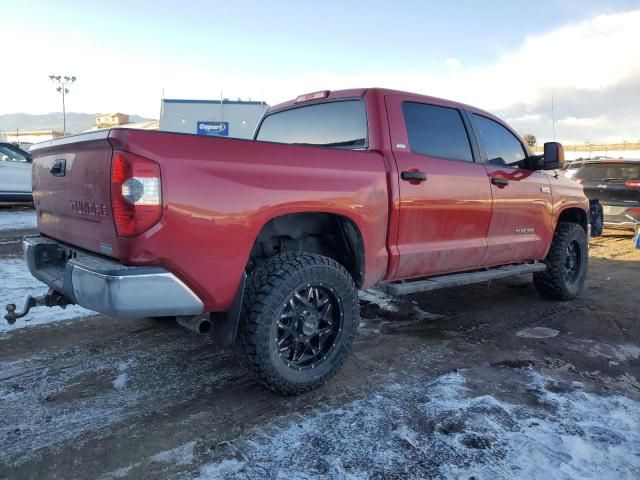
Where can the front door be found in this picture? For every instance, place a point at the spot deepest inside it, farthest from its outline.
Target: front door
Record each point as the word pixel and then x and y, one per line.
pixel 15 173
pixel 445 197
pixel 522 203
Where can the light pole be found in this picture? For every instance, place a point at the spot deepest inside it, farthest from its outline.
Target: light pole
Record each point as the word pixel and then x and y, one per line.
pixel 63 82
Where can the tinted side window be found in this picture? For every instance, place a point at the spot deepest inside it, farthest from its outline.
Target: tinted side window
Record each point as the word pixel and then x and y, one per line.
pixel 341 124
pixel 501 146
pixel 436 131
pixel 10 155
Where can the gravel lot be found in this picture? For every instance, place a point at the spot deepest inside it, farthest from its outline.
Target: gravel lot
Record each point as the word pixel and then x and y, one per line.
pixel 486 381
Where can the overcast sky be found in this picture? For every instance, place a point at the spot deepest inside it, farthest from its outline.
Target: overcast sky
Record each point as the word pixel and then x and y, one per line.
pixel 504 56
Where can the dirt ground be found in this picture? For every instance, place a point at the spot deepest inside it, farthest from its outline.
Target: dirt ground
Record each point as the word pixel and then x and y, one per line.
pixel 107 398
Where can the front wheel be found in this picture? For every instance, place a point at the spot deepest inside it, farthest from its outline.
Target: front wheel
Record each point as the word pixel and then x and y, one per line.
pixel 567 263
pixel 300 315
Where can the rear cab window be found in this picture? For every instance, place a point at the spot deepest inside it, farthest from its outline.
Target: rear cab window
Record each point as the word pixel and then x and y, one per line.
pixel 436 131
pixel 340 124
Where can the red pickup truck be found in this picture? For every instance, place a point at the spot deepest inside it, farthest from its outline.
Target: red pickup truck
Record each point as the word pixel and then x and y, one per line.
pixel 271 238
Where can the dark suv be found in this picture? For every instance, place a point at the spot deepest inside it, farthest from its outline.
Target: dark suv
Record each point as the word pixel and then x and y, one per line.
pixel 616 183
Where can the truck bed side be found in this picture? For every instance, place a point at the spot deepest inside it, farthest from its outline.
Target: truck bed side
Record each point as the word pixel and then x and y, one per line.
pixel 219 193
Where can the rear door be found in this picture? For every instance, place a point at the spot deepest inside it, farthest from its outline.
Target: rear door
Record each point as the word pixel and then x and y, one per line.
pixel 522 199
pixel 445 198
pixel 15 173
pixel 72 191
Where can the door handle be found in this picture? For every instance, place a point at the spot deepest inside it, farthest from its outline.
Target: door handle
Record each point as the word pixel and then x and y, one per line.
pixel 500 182
pixel 413 176
pixel 59 168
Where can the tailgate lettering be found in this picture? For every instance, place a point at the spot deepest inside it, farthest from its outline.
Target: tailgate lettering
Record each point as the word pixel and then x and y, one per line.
pixel 85 207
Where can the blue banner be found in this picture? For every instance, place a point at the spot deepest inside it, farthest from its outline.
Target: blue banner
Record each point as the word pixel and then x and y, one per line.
pixel 213 129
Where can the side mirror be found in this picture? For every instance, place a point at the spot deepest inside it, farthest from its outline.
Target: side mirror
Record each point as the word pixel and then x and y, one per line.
pixel 553 156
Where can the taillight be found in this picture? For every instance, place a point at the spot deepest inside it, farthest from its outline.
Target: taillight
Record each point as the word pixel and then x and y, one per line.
pixel 634 210
pixel 633 183
pixel 136 195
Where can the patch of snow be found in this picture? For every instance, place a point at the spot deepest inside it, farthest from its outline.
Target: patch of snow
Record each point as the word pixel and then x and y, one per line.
pixel 621 353
pixel 120 382
pixel 16 282
pixel 20 219
pixel 449 428
pixel 222 469
pixel 379 298
pixel 424 315
pixel 538 332
pixel 182 455
pixel 616 353
pixel 120 473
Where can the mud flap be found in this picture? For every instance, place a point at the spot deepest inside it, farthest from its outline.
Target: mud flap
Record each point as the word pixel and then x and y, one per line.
pixel 596 218
pixel 225 324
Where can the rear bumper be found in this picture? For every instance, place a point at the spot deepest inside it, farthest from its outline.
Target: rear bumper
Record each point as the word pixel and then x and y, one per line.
pixel 620 225
pixel 106 286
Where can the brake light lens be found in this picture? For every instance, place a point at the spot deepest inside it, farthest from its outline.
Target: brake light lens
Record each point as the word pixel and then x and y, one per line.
pixel 634 210
pixel 307 97
pixel 136 193
pixel 633 183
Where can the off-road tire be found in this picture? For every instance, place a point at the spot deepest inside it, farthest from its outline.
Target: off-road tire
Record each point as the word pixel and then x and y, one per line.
pixel 555 282
pixel 267 294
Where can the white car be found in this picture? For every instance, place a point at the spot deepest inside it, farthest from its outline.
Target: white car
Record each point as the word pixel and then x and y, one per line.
pixel 15 174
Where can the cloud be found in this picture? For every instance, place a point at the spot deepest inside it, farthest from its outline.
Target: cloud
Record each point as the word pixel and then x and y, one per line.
pixel 607 114
pixel 591 68
pixel 453 62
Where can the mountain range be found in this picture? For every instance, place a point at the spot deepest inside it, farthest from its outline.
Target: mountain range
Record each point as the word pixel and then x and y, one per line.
pixel 76 122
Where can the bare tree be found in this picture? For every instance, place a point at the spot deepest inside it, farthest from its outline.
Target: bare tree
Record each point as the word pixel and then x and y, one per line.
pixel 530 139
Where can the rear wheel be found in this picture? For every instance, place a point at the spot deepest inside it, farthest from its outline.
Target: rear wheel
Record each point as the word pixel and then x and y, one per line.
pixel 567 264
pixel 300 315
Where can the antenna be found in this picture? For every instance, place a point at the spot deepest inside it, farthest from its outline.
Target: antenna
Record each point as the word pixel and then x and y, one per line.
pixel 553 119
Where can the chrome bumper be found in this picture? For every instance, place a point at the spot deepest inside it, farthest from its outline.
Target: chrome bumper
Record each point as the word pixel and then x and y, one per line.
pixel 106 286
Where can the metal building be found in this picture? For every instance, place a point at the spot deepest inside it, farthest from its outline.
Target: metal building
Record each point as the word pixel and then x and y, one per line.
pixel 227 118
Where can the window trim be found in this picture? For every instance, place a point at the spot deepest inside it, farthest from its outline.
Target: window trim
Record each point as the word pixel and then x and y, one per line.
pixel 309 104
pixel 483 153
pixel 475 153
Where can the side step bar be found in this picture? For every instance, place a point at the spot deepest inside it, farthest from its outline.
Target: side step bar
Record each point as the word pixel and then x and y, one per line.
pixel 458 279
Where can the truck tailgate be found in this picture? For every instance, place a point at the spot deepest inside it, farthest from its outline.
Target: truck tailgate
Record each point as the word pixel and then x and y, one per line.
pixel 72 191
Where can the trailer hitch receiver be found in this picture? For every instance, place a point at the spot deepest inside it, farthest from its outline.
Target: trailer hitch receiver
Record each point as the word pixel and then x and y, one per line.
pixel 51 299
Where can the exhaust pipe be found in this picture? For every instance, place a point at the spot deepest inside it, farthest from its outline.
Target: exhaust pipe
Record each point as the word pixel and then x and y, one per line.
pixel 199 324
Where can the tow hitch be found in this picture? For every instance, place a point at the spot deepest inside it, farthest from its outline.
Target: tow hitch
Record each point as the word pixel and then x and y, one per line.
pixel 51 299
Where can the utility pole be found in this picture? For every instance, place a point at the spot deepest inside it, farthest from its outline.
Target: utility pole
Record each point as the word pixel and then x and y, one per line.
pixel 63 82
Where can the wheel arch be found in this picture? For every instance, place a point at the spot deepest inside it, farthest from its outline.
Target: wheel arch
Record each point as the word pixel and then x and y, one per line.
pixel 326 233
pixel 574 215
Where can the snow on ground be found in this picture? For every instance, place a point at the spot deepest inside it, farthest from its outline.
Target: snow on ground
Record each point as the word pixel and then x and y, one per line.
pixel 386 302
pixel 15 284
pixel 459 426
pixel 62 395
pixel 17 219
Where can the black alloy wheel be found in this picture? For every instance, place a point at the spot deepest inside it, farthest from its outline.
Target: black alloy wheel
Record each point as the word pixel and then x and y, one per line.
pixel 300 314
pixel 309 326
